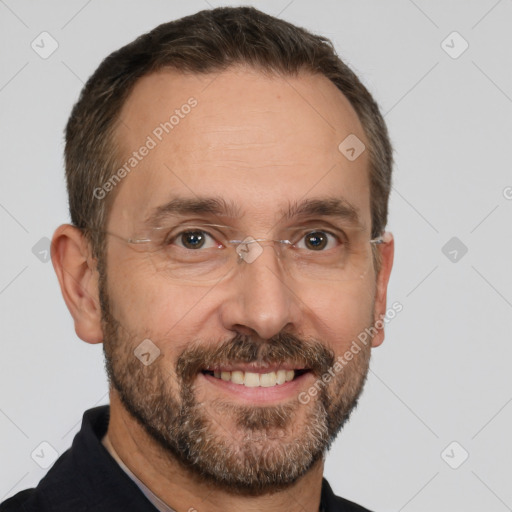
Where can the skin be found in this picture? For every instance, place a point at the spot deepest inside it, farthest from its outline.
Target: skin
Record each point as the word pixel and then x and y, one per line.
pixel 261 142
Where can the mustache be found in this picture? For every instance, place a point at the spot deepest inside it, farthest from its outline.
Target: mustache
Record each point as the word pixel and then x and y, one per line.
pixel 282 348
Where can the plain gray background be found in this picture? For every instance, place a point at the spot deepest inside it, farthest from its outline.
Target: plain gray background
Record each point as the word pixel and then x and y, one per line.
pixel 443 373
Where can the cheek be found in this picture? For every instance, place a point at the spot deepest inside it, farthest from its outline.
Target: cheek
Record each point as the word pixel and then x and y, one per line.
pixel 150 305
pixel 341 313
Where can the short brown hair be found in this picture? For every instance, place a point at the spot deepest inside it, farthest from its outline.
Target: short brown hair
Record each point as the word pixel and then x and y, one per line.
pixel 208 41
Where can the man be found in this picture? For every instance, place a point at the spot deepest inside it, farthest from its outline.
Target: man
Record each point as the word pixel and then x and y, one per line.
pixel 228 181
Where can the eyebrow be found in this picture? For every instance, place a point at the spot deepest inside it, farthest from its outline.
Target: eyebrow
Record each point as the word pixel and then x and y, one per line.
pixel 324 207
pixel 181 206
pixel 329 207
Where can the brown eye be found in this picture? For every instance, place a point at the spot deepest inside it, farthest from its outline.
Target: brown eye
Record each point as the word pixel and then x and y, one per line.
pixel 317 241
pixel 193 239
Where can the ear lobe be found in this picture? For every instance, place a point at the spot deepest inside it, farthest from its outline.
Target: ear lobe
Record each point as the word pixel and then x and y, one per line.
pixel 78 281
pixel 387 251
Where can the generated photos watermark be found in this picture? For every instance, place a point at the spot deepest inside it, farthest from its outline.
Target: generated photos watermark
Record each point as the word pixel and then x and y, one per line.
pixel 363 338
pixel 151 142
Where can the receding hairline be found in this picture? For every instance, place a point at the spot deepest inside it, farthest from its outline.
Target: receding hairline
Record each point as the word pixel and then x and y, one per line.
pixel 241 69
pixel 120 148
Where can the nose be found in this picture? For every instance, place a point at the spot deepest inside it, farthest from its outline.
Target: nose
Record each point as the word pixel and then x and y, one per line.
pixel 261 299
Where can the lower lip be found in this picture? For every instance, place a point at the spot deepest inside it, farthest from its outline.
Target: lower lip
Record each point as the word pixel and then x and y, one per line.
pixel 261 395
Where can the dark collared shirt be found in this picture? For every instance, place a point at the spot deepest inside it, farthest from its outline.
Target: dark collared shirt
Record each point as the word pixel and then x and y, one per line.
pixel 87 479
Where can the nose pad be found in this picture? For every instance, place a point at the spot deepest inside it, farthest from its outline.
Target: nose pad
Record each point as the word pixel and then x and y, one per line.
pixel 251 248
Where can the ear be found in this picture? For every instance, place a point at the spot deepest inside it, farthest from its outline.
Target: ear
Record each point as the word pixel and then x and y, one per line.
pixel 387 251
pixel 78 279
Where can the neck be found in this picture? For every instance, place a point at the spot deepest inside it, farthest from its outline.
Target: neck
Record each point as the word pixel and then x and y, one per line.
pixel 181 490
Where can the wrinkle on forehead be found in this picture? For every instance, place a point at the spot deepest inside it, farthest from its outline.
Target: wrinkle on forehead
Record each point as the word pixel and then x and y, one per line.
pixel 239 94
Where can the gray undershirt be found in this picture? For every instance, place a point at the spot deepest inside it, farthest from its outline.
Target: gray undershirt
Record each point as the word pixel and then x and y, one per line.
pixel 150 495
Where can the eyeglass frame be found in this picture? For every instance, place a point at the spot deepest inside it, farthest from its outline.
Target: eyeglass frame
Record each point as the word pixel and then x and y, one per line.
pixel 139 241
pixel 237 243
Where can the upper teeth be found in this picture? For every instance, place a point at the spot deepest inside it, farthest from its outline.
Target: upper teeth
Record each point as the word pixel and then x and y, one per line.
pixel 253 380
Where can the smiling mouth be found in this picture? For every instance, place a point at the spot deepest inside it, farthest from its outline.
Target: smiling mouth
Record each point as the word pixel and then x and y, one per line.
pixel 254 380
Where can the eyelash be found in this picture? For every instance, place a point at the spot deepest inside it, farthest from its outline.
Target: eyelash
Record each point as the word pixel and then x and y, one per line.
pixel 169 240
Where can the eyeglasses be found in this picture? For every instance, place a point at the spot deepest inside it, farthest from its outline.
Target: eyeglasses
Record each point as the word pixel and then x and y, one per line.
pixel 207 252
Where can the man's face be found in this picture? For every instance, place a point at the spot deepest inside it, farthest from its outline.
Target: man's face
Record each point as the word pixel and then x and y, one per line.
pixel 262 144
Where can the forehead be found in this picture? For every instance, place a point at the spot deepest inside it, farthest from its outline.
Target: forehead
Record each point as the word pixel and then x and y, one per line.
pixel 259 141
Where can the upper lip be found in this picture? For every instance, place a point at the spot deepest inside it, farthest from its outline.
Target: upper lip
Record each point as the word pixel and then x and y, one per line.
pixel 254 367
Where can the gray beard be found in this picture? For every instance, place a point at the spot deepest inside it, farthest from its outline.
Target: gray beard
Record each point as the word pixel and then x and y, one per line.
pixel 268 448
